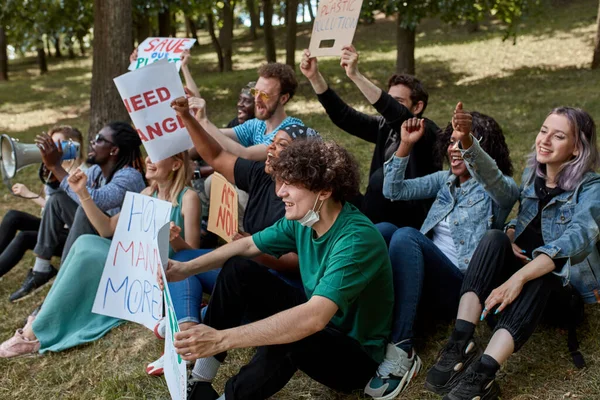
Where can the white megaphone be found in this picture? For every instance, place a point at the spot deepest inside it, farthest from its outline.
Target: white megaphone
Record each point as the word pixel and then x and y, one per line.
pixel 16 155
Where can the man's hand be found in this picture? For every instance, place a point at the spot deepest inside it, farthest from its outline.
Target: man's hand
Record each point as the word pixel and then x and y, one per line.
pixel 19 189
pixel 78 183
pixel 176 271
pixel 199 341
pixel 181 106
pixel 185 58
pixel 503 295
pixel 462 123
pixel 349 61
pixel 51 154
pixel 309 66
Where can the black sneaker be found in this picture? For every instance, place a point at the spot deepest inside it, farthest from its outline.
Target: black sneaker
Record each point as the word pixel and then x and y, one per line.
pixel 475 385
pixel 452 361
pixel 200 390
pixel 33 282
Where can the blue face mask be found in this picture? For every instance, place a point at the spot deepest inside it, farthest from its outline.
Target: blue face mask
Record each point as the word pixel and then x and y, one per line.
pixel 312 216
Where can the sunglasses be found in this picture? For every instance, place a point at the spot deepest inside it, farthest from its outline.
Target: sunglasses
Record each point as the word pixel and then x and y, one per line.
pixel 263 95
pixel 101 139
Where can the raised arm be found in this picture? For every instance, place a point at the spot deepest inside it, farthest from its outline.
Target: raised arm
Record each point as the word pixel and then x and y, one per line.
pixel 187 76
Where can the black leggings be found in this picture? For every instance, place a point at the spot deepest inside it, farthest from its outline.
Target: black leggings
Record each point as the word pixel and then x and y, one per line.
pixel 18 233
pixel 493 262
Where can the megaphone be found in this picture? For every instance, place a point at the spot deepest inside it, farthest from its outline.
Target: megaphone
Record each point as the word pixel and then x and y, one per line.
pixel 16 155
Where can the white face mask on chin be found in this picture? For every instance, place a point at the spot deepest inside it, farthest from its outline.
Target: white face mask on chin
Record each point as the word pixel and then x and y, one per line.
pixel 312 217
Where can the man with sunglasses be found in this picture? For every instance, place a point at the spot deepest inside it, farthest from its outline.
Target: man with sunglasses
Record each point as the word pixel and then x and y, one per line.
pixel 117 167
pixel 274 88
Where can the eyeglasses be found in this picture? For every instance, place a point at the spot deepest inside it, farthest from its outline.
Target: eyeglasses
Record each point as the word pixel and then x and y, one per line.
pixel 257 92
pixel 100 139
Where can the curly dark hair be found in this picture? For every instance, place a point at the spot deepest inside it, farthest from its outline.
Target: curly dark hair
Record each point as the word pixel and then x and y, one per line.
pixel 490 136
pixel 284 73
pixel 417 91
pixel 317 165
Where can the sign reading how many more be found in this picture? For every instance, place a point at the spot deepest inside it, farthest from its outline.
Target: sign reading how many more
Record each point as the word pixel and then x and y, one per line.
pixel 128 287
pixel 223 212
pixel 147 94
pixel 158 48
pixel 334 26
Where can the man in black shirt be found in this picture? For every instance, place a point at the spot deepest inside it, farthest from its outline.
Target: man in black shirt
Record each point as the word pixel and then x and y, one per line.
pixel 405 99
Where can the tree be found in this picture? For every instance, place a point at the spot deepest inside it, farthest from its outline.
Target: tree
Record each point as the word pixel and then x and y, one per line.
pixel 210 21
pixel 268 28
pixel 112 43
pixel 254 18
pixel 291 28
pixel 3 56
pixel 596 59
pixel 226 33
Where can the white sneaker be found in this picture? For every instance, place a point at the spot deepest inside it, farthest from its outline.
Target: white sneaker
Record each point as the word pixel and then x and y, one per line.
pixel 160 329
pixel 157 367
pixel 394 373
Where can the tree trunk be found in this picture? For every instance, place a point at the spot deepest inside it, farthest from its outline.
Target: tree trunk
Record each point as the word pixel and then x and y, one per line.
pixel 405 43
pixel 254 18
pixel 41 57
pixel 311 12
pixel 81 44
pixel 472 26
pixel 210 20
pixel 226 35
pixel 190 26
pixel 173 25
pixel 268 28
pixel 596 59
pixel 3 56
pixel 112 43
pixel 57 52
pixel 47 46
pixel 164 22
pixel 292 28
pixel 70 47
pixel 142 28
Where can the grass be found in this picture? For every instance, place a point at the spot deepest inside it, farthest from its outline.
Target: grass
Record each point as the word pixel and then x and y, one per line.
pixel 516 84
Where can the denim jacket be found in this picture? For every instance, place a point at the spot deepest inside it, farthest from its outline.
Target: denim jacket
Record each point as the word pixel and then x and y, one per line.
pixel 481 203
pixel 570 230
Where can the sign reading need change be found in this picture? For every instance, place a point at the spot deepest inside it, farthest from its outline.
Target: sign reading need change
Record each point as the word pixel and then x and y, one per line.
pixel 159 48
pixel 334 26
pixel 128 287
pixel 147 94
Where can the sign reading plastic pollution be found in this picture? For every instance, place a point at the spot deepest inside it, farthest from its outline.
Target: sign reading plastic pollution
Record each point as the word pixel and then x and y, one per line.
pixel 223 213
pixel 334 26
pixel 174 368
pixel 147 94
pixel 128 287
pixel 157 48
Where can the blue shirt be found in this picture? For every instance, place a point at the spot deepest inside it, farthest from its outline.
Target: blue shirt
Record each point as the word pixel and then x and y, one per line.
pixel 254 131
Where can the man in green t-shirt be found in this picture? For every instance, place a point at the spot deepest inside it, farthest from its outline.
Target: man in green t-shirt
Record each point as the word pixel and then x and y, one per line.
pixel 335 329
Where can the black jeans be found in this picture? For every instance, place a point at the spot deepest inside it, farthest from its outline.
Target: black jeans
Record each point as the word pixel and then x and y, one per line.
pixel 492 263
pixel 18 233
pixel 246 290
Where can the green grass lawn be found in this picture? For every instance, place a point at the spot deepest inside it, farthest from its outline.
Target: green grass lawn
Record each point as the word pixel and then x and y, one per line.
pixel 516 84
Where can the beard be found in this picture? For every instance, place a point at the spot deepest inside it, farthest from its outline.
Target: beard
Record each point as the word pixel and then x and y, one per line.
pixel 268 113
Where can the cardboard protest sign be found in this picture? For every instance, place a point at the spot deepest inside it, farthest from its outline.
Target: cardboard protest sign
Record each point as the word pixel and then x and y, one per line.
pixel 334 26
pixel 175 369
pixel 223 213
pixel 158 48
pixel 128 287
pixel 147 94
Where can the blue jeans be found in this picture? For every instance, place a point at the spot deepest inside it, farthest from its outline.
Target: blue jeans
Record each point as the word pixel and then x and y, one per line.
pixel 187 294
pixel 420 272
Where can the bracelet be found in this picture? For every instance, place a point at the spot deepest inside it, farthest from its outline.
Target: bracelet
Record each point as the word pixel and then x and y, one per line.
pixel 86 199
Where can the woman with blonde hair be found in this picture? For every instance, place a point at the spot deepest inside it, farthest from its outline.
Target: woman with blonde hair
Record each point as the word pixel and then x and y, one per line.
pixel 66 317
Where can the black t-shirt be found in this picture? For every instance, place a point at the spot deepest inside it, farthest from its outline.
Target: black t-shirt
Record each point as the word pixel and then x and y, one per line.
pixel 264 207
pixel 233 122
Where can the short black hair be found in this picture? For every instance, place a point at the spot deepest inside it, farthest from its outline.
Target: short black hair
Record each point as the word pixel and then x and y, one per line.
pixel 417 91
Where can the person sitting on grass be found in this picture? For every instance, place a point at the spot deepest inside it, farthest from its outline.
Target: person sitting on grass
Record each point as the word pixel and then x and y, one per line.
pixel 429 265
pixel 116 168
pixel 334 328
pixel 13 245
pixel 552 241
pixel 264 209
pixel 66 319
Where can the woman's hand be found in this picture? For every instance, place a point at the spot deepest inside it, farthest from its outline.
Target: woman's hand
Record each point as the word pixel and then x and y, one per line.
pixel 462 122
pixel 174 231
pixel 133 56
pixel 309 66
pixel 78 183
pixel 185 58
pixel 349 61
pixel 517 251
pixel 503 295
pixel 19 189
